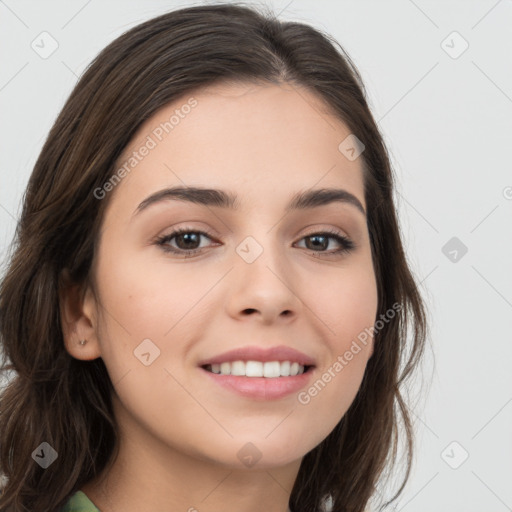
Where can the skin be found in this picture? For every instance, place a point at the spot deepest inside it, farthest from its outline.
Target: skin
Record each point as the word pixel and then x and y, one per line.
pixel 180 433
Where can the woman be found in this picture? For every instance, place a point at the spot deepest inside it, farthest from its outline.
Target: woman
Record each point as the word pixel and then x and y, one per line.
pixel 208 302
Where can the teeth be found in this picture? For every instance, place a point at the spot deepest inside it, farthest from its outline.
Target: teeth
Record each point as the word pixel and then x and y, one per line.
pixel 268 369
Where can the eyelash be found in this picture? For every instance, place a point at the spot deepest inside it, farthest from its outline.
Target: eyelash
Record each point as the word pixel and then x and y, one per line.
pixel 347 245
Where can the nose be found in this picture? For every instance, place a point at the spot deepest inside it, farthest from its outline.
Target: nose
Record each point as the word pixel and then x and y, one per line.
pixel 265 288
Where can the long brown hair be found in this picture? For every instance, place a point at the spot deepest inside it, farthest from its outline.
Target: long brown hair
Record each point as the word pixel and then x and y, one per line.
pixel 56 399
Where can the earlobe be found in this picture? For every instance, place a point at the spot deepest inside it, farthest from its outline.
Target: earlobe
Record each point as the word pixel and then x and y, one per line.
pixel 78 319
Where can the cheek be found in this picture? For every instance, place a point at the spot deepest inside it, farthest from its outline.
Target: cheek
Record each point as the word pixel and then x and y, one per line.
pixel 358 309
pixel 147 301
pixel 146 298
pixel 131 310
pixel 347 310
pixel 353 343
pixel 346 304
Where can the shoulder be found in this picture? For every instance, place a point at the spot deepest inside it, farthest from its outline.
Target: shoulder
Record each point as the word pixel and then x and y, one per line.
pixel 79 502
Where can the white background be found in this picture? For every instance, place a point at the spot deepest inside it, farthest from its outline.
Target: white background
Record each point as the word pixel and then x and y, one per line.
pixel 448 125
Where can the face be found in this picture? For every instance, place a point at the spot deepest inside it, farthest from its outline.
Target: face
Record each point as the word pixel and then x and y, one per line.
pixel 254 274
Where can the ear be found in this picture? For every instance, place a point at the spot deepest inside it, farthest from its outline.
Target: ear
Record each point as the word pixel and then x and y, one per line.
pixel 78 315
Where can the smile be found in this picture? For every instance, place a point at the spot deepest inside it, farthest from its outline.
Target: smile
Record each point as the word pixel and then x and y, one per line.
pixel 268 369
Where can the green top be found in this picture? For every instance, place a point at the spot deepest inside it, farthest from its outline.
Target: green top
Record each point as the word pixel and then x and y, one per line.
pixel 79 502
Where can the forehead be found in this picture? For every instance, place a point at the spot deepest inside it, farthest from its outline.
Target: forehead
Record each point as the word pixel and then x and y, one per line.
pixel 259 140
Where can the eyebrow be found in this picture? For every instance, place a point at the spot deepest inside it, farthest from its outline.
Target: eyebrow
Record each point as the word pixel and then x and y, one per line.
pixel 223 199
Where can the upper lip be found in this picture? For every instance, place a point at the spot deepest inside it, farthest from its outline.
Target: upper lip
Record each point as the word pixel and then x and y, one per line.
pixel 255 353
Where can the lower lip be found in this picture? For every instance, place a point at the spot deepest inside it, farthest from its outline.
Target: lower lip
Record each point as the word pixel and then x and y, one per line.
pixel 261 388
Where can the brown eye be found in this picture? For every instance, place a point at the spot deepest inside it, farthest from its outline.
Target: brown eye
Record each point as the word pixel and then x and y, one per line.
pixel 186 241
pixel 318 242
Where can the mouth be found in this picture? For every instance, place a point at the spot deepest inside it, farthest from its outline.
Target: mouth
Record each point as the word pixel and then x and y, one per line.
pixel 258 373
pixel 252 369
pixel 258 381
